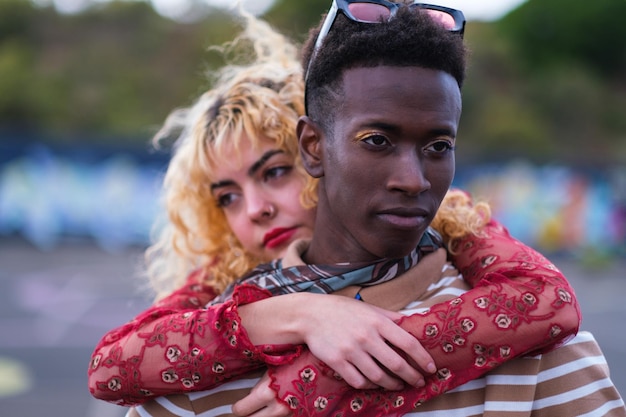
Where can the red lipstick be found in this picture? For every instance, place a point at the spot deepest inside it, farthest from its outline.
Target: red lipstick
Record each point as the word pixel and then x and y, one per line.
pixel 278 236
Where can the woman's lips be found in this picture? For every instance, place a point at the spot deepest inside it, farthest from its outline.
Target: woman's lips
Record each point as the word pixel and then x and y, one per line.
pixel 277 237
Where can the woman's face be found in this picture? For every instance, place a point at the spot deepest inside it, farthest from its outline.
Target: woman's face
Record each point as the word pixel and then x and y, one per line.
pixel 259 191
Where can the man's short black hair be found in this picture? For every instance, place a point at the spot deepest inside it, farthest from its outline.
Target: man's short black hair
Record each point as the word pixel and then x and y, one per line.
pixel 410 38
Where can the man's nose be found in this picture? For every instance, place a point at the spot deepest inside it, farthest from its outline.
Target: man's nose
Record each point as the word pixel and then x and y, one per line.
pixel 408 174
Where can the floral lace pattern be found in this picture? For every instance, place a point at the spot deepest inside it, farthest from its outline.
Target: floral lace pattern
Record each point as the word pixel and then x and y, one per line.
pixel 520 303
pixel 179 346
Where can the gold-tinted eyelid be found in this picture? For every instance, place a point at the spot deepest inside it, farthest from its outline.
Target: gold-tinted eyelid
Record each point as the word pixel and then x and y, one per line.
pixel 366 135
pixel 450 141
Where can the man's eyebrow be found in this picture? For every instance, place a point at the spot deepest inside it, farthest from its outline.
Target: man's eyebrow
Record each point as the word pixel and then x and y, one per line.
pixel 388 127
pixel 262 160
pixel 444 132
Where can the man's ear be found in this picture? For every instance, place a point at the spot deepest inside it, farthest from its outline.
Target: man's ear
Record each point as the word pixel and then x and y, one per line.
pixel 311 149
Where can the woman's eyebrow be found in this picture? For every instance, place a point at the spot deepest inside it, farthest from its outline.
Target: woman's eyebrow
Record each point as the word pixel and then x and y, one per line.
pixel 262 160
pixel 251 171
pixel 220 184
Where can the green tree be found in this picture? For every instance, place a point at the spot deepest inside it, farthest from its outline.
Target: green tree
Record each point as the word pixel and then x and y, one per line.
pixel 544 83
pixel 294 18
pixel 549 32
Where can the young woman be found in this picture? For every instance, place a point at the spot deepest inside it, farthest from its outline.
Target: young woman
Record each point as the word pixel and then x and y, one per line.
pixel 181 346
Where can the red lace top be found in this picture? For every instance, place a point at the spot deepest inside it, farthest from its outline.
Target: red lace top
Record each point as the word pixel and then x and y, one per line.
pixel 520 303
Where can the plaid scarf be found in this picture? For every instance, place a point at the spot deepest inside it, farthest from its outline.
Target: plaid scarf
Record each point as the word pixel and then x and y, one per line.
pixel 326 279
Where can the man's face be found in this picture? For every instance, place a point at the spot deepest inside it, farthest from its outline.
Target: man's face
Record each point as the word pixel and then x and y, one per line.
pixel 388 164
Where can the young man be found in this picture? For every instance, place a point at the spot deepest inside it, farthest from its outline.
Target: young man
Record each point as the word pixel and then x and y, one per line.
pixel 383 105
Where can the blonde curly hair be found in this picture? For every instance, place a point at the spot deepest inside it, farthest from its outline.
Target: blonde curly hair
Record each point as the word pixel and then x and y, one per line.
pixel 260 100
pixel 458 217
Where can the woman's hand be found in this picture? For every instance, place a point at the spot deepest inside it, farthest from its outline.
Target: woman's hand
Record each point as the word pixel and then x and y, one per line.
pixel 361 342
pixel 261 402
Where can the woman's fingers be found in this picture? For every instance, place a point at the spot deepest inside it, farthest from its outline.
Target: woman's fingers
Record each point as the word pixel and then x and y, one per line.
pixel 261 402
pixel 365 345
pixel 386 368
pixel 406 343
pixel 414 352
pixel 375 375
pixel 373 362
pixel 360 372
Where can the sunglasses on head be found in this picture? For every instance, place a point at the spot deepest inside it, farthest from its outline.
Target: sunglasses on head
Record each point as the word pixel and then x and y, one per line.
pixel 377 11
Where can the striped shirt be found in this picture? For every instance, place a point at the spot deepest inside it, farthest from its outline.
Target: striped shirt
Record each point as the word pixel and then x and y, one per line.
pixel 572 380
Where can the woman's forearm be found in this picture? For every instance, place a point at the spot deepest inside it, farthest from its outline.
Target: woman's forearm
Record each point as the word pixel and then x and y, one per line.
pixel 173 347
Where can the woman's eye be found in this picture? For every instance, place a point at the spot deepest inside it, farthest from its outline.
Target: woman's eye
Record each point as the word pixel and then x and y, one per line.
pixel 276 172
pixel 376 140
pixel 225 200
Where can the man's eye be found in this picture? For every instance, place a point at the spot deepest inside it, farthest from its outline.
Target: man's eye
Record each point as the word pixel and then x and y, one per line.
pixel 441 146
pixel 376 140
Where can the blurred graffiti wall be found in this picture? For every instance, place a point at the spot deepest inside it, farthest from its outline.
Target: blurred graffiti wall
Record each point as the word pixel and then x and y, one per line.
pixel 48 196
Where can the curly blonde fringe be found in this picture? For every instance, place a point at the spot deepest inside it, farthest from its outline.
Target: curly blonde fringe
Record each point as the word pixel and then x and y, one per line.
pixel 458 217
pixel 256 101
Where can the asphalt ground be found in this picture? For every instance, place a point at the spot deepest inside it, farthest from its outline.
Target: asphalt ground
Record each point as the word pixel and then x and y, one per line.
pixel 55 305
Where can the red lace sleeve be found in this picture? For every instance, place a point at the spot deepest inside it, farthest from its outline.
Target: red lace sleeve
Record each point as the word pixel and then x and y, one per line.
pixel 194 294
pixel 179 346
pixel 520 303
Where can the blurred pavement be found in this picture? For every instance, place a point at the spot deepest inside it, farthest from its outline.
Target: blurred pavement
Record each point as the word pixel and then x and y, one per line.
pixel 55 306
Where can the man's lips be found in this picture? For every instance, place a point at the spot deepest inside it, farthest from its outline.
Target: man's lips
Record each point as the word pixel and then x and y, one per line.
pixel 404 217
pixel 278 236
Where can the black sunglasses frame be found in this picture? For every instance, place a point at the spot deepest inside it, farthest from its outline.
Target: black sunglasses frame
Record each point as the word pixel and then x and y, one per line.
pixel 343 7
